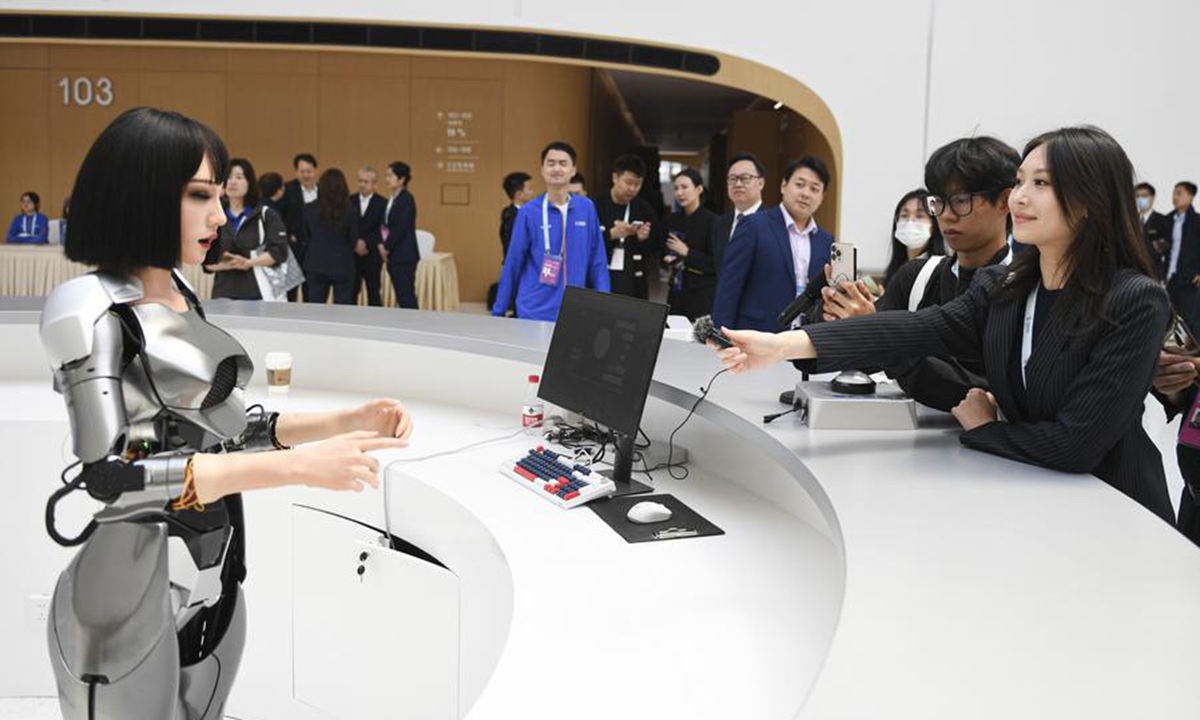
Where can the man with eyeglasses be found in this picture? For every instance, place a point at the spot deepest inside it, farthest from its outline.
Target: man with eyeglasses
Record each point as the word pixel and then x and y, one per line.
pixel 969 181
pixel 744 182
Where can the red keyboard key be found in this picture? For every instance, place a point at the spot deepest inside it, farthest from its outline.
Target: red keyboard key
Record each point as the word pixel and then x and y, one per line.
pixel 571 495
pixel 524 473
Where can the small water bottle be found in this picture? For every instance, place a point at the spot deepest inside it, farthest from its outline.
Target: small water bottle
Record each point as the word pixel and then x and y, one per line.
pixel 533 412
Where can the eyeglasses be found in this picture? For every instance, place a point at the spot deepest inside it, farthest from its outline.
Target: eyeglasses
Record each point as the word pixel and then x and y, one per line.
pixel 961 203
pixel 741 179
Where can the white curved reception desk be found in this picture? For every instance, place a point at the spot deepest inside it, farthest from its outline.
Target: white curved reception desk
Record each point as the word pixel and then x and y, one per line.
pixel 861 574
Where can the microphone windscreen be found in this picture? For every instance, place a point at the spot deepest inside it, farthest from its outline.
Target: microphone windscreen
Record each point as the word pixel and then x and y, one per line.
pixel 702 329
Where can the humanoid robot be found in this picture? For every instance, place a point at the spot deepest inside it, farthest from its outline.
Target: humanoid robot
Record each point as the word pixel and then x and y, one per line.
pixel 147 620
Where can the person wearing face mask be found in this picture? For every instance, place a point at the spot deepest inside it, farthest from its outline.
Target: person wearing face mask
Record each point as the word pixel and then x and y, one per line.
pixel 970 180
pixel 628 223
pixel 914 234
pixel 1156 227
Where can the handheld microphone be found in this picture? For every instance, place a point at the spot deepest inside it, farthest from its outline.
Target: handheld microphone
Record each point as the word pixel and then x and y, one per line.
pixel 703 331
pixel 805 300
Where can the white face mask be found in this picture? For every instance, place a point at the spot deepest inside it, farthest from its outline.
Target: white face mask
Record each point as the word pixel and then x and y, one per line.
pixel 913 235
pixel 1143 204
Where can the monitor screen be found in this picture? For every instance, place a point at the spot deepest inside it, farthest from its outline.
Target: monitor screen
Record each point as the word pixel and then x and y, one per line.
pixel 602 357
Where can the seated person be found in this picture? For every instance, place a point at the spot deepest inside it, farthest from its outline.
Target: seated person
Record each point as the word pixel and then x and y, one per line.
pixel 29 227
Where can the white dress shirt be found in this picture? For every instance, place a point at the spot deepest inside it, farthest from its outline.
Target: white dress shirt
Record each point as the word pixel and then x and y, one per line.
pixel 738 216
pixel 1176 243
pixel 801 242
pixel 309 195
pixel 363 202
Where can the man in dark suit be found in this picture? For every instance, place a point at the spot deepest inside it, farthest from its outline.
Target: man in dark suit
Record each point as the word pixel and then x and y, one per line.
pixel 1156 228
pixel 399 231
pixel 1183 254
pixel 773 253
pixel 368 261
pixel 298 192
pixel 744 181
pixel 518 186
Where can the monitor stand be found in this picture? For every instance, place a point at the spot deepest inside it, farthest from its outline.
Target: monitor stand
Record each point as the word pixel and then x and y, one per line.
pixel 622 471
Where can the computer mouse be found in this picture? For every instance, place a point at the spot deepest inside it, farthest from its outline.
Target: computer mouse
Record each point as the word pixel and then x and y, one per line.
pixel 648 512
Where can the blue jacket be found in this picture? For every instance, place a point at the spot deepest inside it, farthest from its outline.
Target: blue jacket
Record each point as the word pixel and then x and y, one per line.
pixel 757 278
pixel 585 263
pixel 29 230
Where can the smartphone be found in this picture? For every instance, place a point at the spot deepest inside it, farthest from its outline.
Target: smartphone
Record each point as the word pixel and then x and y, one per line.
pixel 1179 340
pixel 843 263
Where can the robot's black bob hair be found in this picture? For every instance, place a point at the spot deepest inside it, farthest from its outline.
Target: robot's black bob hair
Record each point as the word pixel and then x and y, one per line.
pixel 125 207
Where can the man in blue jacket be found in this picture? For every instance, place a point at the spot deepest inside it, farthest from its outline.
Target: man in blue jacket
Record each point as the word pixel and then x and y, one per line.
pixel 556 241
pixel 774 253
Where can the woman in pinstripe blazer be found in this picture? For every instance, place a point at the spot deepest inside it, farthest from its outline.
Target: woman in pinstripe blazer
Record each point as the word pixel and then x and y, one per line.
pixel 1069 335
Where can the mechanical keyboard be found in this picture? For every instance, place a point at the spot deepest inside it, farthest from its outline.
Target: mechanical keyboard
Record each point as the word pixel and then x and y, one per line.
pixel 557 478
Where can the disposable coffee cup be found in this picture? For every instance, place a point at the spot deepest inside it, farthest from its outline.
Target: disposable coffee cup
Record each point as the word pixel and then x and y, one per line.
pixel 279 371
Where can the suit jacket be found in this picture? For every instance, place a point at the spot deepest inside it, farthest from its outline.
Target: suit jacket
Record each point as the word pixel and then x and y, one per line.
pixel 1188 265
pixel 758 274
pixel 722 231
pixel 507 217
pixel 370 223
pixel 1157 231
pixel 292 207
pixel 330 248
pixel 401 224
pixel 1087 381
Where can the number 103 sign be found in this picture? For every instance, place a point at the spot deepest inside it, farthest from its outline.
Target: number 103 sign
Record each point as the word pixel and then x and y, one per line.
pixel 82 91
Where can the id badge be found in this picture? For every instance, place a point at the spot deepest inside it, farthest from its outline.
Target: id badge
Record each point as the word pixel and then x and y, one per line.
pixel 617 264
pixel 551 267
pixel 1189 427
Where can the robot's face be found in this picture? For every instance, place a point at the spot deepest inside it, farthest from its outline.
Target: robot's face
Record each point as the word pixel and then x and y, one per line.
pixel 201 215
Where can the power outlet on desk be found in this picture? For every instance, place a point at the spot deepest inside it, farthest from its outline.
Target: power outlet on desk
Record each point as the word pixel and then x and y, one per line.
pixel 37 610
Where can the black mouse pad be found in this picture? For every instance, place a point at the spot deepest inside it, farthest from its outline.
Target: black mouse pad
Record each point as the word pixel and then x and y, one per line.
pixel 685 521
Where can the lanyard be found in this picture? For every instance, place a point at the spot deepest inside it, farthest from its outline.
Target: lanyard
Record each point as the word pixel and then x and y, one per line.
pixel 1027 331
pixel 1006 261
pixel 25 224
pixel 627 213
pixel 546 226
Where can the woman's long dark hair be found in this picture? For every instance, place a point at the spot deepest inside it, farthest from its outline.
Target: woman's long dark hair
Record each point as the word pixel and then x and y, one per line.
pixel 333 196
pixel 935 246
pixel 1092 179
pixel 251 200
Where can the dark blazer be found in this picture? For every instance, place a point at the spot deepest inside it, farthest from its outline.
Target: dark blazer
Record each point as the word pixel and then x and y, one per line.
pixel 758 274
pixel 292 207
pixel 401 224
pixel 370 223
pixel 508 216
pixel 1087 383
pixel 1188 266
pixel 721 233
pixel 330 248
pixel 1156 230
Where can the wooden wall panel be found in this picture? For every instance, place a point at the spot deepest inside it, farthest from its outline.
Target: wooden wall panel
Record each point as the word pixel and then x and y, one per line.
pixel 273 62
pixel 467 230
pixel 758 132
pixel 364 65
pixel 183 59
pixel 199 96
pixel 24 55
pixel 93 57
pixel 25 141
pixel 73 129
pixel 270 118
pixel 362 121
pixel 543 103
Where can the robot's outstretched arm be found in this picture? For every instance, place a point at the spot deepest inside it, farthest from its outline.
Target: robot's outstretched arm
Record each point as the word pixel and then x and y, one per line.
pixel 84 342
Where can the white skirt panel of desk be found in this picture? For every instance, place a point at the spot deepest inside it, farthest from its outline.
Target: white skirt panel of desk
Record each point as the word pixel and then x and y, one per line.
pixel 862 574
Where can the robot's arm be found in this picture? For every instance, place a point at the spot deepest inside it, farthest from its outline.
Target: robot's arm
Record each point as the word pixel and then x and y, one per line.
pixel 259 434
pixel 85 345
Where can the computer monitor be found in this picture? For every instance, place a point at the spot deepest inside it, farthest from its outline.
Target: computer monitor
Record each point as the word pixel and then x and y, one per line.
pixel 600 364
